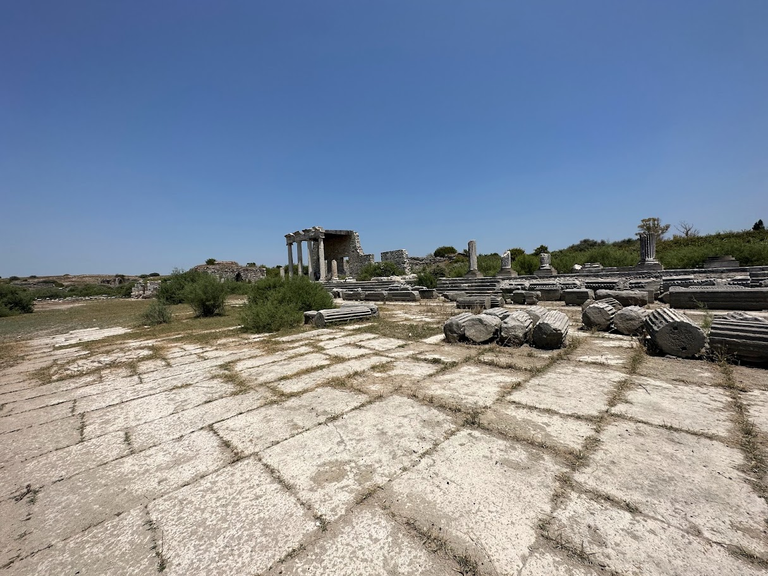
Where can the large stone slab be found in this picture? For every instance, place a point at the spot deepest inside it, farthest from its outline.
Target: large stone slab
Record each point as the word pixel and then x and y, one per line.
pixel 256 430
pixel 170 427
pixel 387 378
pixel 468 386
pixel 59 464
pixel 366 542
pixel 694 408
pixel 285 368
pixel 334 464
pixel 121 546
pixel 579 390
pixel 147 408
pixel 36 440
pixel 238 520
pixel 72 505
pixel 541 563
pixel 640 544
pixel 340 370
pixel 541 428
pixel 41 416
pixel 481 494
pixel 688 481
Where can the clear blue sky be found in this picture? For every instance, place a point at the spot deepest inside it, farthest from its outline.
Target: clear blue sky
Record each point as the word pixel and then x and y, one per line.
pixel 139 136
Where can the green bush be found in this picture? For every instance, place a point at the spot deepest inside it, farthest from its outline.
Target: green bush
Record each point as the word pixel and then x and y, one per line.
pixel 379 269
pixel 15 300
pixel 444 251
pixel 151 275
pixel 515 253
pixel 210 261
pixel 489 264
pixel 526 264
pixel 206 295
pixel 275 304
pixel 427 279
pixel 171 289
pixel 156 313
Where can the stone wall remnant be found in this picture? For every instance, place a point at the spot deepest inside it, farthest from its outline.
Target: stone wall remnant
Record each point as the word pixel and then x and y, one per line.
pixel 230 270
pixel 145 289
pixel 399 258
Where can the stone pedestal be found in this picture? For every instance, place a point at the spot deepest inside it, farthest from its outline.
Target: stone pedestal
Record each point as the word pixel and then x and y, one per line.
pixel 473 271
pixel 506 266
pixel 545 266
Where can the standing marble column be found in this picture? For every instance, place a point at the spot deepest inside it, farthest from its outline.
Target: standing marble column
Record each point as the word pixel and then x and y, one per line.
pixel 310 259
pixel 334 270
pixel 300 258
pixel 290 260
pixel 321 259
pixel 473 271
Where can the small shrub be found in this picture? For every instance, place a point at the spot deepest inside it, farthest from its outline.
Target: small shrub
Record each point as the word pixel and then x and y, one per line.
pixel 13 278
pixel 152 275
pixel 427 279
pixel 444 251
pixel 157 313
pixel 275 304
pixel 210 261
pixel 171 289
pixel 489 264
pixel 526 264
pixel 206 295
pixel 379 269
pixel 15 300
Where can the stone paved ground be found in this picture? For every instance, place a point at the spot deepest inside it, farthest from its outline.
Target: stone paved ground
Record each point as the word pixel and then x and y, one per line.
pixel 375 449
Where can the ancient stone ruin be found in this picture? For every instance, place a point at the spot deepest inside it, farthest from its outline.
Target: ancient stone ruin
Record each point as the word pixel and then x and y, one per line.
pixel 229 270
pixel 324 247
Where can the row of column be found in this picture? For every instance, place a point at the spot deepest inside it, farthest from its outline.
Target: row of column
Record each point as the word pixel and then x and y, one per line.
pixel 310 259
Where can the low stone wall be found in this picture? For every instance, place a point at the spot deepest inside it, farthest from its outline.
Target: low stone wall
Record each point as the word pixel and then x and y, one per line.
pixel 233 271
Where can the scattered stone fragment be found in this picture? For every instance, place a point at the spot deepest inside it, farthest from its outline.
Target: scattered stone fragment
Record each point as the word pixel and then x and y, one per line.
pixel 612 301
pixel 529 297
pixel 744 337
pixel 630 320
pixel 535 312
pixel 482 328
pixel 344 314
pixel 500 313
pixel 625 297
pixel 598 316
pixel 551 331
pixel 454 327
pixel 719 297
pixel 674 333
pixel 479 302
pixel 515 329
pixel 577 296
